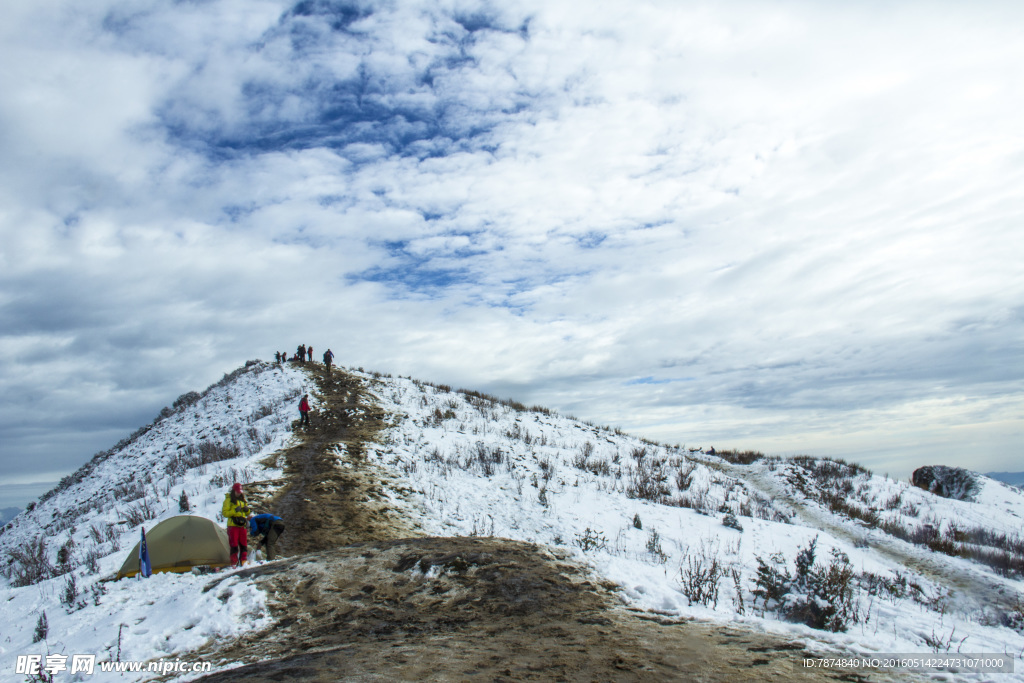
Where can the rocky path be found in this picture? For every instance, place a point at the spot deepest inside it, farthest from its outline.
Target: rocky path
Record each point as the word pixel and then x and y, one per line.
pixel 362 596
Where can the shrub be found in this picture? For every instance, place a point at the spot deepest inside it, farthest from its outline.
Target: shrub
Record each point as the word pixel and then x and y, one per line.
pixel 186 400
pixel 42 628
pixel 740 457
pixel 69 596
pixel 731 522
pixel 30 564
pixel 92 560
pixel 648 481
pixel 654 546
pixel 771 583
pixel 591 540
pixel 821 597
pixel 139 512
pixel 684 476
pixel 893 588
pixel 737 585
pixel 828 603
pixel 183 502
pixel 700 579
pixel 949 482
pixel 64 557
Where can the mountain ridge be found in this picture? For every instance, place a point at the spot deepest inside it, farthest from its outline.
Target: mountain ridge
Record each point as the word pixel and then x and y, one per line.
pixel 456 464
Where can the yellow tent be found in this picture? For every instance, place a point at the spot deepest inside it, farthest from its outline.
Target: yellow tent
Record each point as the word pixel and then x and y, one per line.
pixel 180 543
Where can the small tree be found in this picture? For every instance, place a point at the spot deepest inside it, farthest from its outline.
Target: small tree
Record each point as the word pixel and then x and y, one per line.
pixel 771 583
pixel 591 540
pixel 70 595
pixel 183 504
pixel 64 557
pixel 42 628
pixel 821 597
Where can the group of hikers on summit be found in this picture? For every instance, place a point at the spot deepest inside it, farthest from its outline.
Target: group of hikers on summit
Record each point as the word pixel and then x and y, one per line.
pixel 302 352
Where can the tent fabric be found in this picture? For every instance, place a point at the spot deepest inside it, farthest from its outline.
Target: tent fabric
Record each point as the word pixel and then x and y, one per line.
pixel 180 543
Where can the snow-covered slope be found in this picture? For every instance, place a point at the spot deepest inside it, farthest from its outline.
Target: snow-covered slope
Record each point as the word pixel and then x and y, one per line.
pixel 650 518
pixel 683 533
pixel 83 533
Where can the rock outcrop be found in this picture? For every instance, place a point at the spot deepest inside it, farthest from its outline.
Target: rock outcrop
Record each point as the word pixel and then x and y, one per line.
pixel 948 482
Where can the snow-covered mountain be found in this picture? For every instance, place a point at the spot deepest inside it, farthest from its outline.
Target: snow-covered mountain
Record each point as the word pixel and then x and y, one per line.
pixel 847 561
pixel 81 532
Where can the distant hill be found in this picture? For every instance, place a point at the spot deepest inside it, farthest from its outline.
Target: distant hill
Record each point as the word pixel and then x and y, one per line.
pixel 7 514
pixel 1011 478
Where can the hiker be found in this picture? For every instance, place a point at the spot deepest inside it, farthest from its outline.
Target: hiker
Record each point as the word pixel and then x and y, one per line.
pixel 328 359
pixel 309 350
pixel 304 410
pixel 269 527
pixel 277 356
pixel 301 353
pixel 236 511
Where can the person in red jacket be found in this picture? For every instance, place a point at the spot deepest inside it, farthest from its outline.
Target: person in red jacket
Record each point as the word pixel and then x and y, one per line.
pixel 304 410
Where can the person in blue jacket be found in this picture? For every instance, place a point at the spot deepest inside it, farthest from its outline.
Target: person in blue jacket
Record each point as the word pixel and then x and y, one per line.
pixel 269 527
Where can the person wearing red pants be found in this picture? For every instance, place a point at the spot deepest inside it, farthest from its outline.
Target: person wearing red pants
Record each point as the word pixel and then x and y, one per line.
pixel 236 511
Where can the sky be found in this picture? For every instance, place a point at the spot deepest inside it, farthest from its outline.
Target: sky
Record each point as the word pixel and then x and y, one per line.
pixel 793 227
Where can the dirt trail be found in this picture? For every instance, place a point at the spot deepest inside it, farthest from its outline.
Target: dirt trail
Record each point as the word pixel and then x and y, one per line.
pixel 483 609
pixel 334 496
pixel 968 586
pixel 363 597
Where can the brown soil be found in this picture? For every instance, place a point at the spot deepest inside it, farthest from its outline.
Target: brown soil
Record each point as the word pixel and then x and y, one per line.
pixel 363 598
pixel 334 496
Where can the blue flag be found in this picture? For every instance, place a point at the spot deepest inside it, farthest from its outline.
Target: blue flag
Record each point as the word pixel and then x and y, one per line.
pixel 145 568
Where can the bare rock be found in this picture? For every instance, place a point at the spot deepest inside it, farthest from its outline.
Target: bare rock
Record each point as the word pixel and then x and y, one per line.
pixel 948 482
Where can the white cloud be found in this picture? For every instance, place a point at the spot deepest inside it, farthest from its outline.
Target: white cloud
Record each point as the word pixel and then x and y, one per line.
pixel 802 218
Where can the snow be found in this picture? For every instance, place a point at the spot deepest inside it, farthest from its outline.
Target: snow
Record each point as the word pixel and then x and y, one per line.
pixel 479 467
pixel 167 615
pixel 458 495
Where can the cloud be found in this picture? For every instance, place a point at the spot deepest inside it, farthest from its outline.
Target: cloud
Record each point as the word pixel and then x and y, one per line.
pixel 789 226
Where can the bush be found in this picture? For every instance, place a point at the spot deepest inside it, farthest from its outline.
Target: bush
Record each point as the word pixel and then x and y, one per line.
pixel 731 522
pixel 828 603
pixel 684 475
pixel 821 597
pixel 185 400
pixel 139 512
pixel 654 546
pixel 42 628
pixel 771 583
pixel 590 540
pixel 647 481
pixel 700 579
pixel 29 565
pixel 69 596
pixel 740 457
